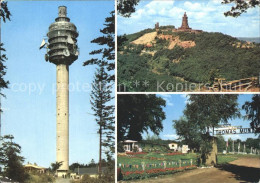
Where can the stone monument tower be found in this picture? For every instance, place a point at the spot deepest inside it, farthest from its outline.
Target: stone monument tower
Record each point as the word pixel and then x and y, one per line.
pixel 185 24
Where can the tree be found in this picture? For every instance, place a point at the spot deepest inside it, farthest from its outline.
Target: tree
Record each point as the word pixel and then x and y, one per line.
pixel 208 111
pixel 240 6
pixel 55 166
pixel 202 113
pixel 92 163
pixel 221 143
pixel 105 74
pixel 137 114
pixel 4 14
pixel 108 50
pixel 125 7
pixel 11 160
pixel 253 112
pixel 73 166
pixel 103 111
pixel 4 11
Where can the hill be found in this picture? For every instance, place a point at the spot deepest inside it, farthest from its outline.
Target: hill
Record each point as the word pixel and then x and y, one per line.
pixel 176 59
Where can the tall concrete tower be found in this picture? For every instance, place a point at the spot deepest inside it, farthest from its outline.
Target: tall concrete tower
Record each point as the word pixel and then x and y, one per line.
pixel 62 51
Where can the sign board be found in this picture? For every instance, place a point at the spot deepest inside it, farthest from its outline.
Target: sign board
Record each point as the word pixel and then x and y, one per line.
pixel 229 131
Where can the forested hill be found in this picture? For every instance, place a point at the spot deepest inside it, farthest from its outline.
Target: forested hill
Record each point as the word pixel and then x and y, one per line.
pixel 184 57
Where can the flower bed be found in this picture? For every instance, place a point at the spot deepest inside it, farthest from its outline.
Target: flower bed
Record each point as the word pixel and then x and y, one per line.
pixel 135 153
pixel 130 175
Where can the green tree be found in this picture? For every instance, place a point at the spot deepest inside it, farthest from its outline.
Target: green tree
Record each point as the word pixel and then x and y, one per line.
pixel 253 112
pixel 208 111
pixel 55 166
pixel 137 114
pixel 4 14
pixel 202 113
pixel 73 166
pixel 103 111
pixel 4 11
pixel 221 143
pixel 126 7
pixel 240 6
pixel 105 60
pixel 11 160
pixel 255 143
pixel 107 52
pixel 92 163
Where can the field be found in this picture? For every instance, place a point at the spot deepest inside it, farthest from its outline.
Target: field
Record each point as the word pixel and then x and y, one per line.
pixel 226 158
pixel 140 166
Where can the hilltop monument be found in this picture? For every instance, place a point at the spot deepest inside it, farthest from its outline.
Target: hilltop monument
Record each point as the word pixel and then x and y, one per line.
pixel 185 23
pixel 185 26
pixel 157 26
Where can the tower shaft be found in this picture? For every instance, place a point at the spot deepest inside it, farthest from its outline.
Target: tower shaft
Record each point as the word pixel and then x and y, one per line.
pixel 62 114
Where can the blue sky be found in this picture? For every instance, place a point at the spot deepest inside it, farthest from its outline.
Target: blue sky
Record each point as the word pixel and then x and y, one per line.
pixel 175 105
pixel 205 15
pixel 30 103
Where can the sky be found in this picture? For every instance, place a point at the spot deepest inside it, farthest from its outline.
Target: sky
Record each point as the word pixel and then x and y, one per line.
pixel 175 105
pixel 30 103
pixel 207 15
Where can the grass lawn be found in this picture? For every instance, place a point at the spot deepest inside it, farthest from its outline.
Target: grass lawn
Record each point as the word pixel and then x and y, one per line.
pixel 226 158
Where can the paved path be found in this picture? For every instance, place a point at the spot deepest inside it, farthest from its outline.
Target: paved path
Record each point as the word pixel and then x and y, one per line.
pixel 241 170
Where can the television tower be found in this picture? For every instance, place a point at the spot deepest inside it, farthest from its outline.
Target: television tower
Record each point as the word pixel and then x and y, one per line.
pixel 62 50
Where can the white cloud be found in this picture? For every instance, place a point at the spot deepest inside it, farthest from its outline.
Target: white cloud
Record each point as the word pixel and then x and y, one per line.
pixel 193 6
pixel 167 98
pixel 171 136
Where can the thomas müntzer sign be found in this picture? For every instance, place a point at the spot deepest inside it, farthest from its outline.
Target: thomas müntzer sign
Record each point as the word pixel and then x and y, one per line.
pixel 234 131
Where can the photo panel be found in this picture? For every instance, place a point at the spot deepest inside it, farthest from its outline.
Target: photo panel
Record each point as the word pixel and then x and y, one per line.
pixel 188 46
pixel 57 85
pixel 188 138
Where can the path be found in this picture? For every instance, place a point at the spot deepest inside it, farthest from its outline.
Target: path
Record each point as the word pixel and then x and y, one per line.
pixel 241 170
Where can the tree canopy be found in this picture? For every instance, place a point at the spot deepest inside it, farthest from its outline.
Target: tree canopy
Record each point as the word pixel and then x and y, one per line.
pixel 126 7
pixel 105 56
pixel 203 112
pixel 208 111
pixel 4 14
pixel 241 6
pixel 4 11
pixel 11 159
pixel 137 114
pixel 103 112
pixel 253 112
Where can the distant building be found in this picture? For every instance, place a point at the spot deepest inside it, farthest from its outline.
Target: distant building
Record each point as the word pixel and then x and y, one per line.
pixel 130 145
pixel 34 168
pixel 173 146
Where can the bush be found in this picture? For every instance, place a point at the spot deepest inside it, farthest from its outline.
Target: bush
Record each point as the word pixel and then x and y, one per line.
pixel 43 178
